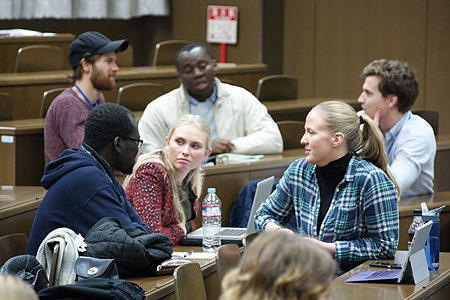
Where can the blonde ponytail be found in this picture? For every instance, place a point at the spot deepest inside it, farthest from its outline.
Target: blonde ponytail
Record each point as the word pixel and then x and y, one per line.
pixel 366 143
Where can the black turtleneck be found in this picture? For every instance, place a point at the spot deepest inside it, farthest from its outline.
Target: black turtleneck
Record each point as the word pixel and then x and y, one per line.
pixel 328 177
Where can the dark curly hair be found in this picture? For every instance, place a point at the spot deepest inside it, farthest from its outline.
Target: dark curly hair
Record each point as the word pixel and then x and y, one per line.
pixel 397 78
pixel 106 121
pixel 188 48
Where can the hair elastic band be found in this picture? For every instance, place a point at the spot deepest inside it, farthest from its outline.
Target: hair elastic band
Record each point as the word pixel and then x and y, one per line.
pixel 361 120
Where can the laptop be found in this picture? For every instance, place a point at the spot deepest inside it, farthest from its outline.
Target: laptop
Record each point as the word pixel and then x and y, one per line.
pixel 414 266
pixel 234 235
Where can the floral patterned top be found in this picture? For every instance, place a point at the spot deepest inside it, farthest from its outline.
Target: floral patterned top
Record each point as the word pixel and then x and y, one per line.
pixel 150 193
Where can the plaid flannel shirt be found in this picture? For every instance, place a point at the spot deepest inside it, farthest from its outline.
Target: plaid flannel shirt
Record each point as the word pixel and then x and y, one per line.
pixel 362 219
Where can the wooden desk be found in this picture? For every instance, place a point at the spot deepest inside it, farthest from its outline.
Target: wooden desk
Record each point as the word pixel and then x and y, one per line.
pixel 405 211
pixel 297 109
pixel 229 179
pixel 436 287
pixel 27 88
pixel 18 206
pixel 22 152
pixel 10 44
pixel 162 287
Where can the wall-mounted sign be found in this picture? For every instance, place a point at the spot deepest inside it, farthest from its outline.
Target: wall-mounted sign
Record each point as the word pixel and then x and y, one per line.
pixel 222 24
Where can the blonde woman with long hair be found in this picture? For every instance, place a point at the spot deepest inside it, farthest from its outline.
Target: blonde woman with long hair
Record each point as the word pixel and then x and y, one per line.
pixel 280 266
pixel 341 194
pixel 165 185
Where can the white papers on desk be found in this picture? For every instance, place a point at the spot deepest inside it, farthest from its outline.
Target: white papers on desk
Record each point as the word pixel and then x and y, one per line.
pixel 225 65
pixel 24 32
pixel 195 255
pixel 233 158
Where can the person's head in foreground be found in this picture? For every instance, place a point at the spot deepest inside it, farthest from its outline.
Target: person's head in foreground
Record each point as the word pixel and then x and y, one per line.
pixel 280 266
pixel 14 288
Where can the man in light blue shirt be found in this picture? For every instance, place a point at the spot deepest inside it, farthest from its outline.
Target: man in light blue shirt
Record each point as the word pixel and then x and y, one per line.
pixel 390 89
pixel 205 109
pixel 239 122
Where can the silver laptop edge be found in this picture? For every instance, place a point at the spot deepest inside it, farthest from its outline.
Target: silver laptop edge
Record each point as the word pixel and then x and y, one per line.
pixel 263 190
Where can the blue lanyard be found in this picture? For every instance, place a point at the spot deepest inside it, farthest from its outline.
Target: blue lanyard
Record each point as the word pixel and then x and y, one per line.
pixel 85 98
pixel 390 148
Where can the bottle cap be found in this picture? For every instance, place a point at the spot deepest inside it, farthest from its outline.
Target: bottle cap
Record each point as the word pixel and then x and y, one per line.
pixel 417 212
pixel 434 218
pixel 432 214
pixel 211 190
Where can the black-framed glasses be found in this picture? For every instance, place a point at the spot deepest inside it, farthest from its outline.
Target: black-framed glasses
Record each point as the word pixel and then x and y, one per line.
pixel 139 141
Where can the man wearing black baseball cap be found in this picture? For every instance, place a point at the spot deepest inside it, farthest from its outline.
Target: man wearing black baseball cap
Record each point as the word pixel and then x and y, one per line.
pixel 93 60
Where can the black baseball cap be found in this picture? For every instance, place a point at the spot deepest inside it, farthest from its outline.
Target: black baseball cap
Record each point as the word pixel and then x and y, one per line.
pixel 92 42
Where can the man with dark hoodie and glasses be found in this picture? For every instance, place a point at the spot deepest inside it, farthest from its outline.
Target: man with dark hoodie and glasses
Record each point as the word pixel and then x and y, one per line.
pixel 82 188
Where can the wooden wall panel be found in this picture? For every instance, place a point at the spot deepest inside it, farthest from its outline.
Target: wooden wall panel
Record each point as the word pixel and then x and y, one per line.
pixel 273 35
pixel 189 22
pixel 441 169
pixel 299 44
pixel 352 33
pixel 438 61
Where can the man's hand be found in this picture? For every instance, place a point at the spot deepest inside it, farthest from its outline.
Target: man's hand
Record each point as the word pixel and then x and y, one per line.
pixel 221 146
pixel 376 117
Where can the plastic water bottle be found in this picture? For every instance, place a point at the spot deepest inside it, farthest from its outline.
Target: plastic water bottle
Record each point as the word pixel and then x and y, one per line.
pixel 432 247
pixel 417 221
pixel 212 221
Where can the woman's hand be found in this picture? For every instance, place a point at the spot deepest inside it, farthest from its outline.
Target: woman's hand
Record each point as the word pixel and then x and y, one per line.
pixel 272 226
pixel 330 247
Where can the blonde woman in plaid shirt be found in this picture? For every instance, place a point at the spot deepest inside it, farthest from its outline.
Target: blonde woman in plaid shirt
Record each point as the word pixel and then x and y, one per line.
pixel 341 194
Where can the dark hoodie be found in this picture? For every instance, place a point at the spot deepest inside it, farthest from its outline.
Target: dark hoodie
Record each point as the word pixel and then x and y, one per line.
pixel 81 190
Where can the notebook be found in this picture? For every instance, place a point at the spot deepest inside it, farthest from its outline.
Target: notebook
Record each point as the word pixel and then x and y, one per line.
pixel 195 255
pixel 234 235
pixel 414 266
